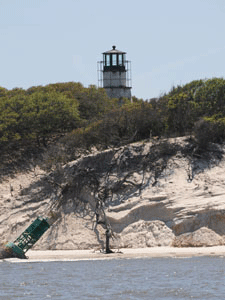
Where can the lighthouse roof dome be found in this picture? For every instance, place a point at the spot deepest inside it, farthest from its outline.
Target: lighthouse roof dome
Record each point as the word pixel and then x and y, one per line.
pixel 114 51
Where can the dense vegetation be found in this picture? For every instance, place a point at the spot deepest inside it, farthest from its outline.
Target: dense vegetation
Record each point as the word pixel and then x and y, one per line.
pixel 60 120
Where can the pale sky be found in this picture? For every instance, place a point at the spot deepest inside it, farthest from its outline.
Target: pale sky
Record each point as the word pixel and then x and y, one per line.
pixel 168 42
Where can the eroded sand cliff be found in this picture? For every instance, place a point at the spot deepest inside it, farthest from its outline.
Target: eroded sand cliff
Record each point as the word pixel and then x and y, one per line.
pixel 168 199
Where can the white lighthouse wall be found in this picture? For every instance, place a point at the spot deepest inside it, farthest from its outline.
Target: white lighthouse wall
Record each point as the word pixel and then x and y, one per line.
pixel 114 79
pixel 119 92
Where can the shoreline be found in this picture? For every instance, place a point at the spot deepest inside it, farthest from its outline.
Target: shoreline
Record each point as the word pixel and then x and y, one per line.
pixel 125 253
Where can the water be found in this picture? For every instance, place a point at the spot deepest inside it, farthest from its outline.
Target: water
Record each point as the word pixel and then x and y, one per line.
pixel 147 278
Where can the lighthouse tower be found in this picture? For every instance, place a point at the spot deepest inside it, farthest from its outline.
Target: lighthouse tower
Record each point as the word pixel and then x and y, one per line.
pixel 115 74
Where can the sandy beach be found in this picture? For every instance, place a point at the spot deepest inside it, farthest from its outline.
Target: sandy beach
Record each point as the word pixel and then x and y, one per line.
pixel 67 255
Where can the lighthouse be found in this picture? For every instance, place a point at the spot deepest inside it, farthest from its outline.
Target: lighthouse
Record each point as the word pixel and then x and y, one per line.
pixel 114 74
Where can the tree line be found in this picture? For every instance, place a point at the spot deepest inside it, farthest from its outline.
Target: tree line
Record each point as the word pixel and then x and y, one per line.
pixel 196 107
pixel 68 118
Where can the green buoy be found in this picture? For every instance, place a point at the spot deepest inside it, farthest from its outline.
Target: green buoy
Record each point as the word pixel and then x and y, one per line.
pixel 28 238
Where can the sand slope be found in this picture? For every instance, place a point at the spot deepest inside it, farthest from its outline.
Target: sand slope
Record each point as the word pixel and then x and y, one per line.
pixel 185 207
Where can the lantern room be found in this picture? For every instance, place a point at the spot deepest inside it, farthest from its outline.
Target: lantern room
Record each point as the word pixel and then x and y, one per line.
pixel 114 60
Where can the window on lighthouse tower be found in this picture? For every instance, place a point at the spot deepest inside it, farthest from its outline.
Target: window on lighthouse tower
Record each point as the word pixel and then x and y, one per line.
pixel 120 59
pixel 107 62
pixel 114 59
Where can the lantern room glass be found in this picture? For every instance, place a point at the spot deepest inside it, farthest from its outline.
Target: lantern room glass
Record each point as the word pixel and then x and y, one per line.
pixel 120 59
pixel 114 59
pixel 107 60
